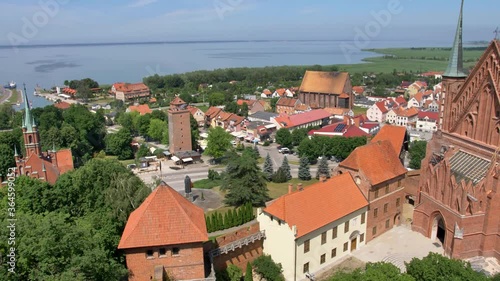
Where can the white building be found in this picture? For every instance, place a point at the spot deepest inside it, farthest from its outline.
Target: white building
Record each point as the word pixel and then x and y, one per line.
pixel 309 229
pixel 427 121
pixel 403 117
pixel 377 112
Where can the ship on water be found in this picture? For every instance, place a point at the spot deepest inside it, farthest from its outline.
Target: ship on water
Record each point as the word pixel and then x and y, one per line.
pixel 11 85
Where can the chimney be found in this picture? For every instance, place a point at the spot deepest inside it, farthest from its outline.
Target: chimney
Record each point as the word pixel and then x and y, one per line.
pixel 290 188
pixel 322 178
pixel 299 186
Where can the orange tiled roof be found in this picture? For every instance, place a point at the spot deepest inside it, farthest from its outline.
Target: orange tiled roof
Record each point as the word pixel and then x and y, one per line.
pixel 288 102
pixel 152 100
pixel 318 204
pixel 400 100
pixel 377 161
pixel 412 111
pixel 302 107
pixel 193 109
pixel 129 88
pixel 164 218
pixel 143 109
pixel 212 112
pixel 177 101
pixel 62 105
pixel 267 92
pixel 64 160
pixel 344 96
pixel 336 110
pixel 248 102
pixel 281 91
pixel 381 106
pixel 358 89
pixel 396 135
pixel 301 118
pixel 324 82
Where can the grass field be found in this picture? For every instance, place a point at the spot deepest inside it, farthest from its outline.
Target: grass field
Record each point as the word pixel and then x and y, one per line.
pixel 359 110
pixel 408 59
pixel 203 108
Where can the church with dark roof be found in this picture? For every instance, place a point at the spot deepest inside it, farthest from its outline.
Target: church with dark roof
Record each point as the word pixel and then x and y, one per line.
pixel 458 203
pixel 45 166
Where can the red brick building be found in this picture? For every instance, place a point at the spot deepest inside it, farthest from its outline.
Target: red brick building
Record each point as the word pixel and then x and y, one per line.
pixel 320 89
pixel 165 236
pixel 377 170
pixel 179 126
pixel 459 180
pixel 287 105
pixel 126 91
pixel 45 166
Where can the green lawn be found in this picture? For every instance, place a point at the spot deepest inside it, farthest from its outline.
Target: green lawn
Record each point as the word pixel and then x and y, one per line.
pixel 14 98
pixel 359 110
pixel 406 59
pixel 207 183
pixel 203 108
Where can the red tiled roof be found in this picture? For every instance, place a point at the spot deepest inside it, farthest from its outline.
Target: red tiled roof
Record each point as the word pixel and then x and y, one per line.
pixel 344 96
pixel 69 91
pixel 336 110
pixel 281 91
pixel 418 96
pixel 64 160
pixel 152 100
pixel 164 218
pixel 381 106
pixel 302 107
pixel 324 82
pixel 177 101
pixel 267 92
pixel 193 109
pixel 318 204
pixel 213 111
pixel 428 114
pixel 143 109
pixel 129 88
pixel 302 118
pixel 288 102
pixel 354 131
pixel 248 102
pixel 376 160
pixel 412 111
pixel 358 89
pixel 400 100
pixel 62 105
pixel 394 134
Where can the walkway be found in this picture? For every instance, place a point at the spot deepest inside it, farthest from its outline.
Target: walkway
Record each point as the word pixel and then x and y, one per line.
pixel 232 229
pixel 397 246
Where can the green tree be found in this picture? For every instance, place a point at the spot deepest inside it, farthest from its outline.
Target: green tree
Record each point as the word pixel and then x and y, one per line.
pixel 244 182
pixel 216 99
pixel 119 144
pixel 208 223
pixel 279 176
pixel 232 107
pixel 195 132
pixel 248 272
pixel 268 269
pixel 273 103
pixel 234 272
pixel 373 271
pixel 298 135
pixel 286 168
pixel 243 110
pixel 157 129
pixel 436 267
pixel 284 138
pixel 268 167
pixel 218 142
pixel 143 151
pixel 304 169
pixel 6 159
pixel 323 168
pixel 417 153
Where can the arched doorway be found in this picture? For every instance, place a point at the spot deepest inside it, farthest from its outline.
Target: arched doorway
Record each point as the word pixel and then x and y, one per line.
pixel 354 240
pixel 397 219
pixel 438 229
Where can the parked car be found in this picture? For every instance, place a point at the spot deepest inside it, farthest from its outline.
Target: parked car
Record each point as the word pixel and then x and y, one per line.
pixel 284 150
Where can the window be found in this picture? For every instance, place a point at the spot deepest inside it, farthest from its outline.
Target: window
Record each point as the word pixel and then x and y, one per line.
pixel 306 246
pixel 323 238
pixel 306 267
pixel 387 189
pixel 346 226
pixel 376 194
pixel 334 233
pixel 175 251
pixel 163 252
pixel 374 230
pixel 363 215
pixel 149 254
pixel 322 259
pixel 361 238
pixel 334 252
pixel 386 207
pixel 375 212
pixel 387 223
pixel 399 183
pixel 398 202
pixel 346 246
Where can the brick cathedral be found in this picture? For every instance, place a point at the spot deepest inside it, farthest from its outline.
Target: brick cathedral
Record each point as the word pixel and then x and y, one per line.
pixel 457 202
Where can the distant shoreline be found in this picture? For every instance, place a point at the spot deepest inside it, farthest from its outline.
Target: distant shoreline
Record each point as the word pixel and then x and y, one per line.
pixel 96 44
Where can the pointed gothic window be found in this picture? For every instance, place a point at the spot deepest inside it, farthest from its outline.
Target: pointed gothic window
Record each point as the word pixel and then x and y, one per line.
pixel 30 139
pixel 457 206
pixel 469 208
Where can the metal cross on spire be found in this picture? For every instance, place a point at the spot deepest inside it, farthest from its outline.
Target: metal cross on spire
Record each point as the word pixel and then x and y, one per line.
pixel 497 32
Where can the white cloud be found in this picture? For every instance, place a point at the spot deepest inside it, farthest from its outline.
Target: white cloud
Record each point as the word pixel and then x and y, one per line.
pixel 141 3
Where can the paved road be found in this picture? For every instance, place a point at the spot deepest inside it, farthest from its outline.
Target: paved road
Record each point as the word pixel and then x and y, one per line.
pixel 6 94
pixel 175 178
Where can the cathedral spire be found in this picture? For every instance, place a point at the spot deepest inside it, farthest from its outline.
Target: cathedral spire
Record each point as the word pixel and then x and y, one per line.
pixel 455 67
pixel 28 120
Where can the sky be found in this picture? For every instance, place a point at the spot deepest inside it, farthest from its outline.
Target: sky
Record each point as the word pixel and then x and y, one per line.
pixel 99 21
